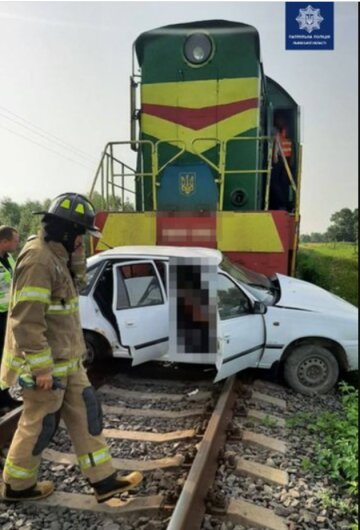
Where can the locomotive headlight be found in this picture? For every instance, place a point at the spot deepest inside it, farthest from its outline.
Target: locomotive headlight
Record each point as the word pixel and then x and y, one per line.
pixel 199 54
pixel 198 48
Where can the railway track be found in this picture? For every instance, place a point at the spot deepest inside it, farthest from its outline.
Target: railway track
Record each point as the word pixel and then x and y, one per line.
pixel 190 440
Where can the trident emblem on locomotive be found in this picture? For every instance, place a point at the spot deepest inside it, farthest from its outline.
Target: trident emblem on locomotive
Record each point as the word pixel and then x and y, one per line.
pixel 187 183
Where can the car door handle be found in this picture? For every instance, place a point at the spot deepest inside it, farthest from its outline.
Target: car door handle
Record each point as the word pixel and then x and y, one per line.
pixel 227 336
pixel 129 324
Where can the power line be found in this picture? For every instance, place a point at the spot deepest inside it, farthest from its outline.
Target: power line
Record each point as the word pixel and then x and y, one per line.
pixel 45 134
pixel 45 147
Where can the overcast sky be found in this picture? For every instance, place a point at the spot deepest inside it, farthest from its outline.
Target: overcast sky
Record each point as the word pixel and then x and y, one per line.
pixel 65 67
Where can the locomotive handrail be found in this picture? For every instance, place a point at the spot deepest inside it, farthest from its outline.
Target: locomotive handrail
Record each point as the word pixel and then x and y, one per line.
pixel 111 144
pixel 297 213
pixel 267 171
pixel 174 157
pixel 222 159
pixel 268 179
pixel 107 176
pixel 270 140
pixel 287 168
pixel 219 169
pixel 200 155
pixel 157 170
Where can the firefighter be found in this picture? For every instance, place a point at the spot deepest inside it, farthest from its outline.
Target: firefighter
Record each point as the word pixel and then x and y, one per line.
pixel 9 241
pixel 44 344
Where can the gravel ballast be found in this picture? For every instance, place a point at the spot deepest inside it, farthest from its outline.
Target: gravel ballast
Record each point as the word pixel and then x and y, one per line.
pixel 301 502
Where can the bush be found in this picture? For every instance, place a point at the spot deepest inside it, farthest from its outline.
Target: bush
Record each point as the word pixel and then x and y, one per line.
pixel 332 269
pixel 311 269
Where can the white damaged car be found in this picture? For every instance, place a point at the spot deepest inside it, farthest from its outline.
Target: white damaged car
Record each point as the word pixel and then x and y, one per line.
pixel 260 322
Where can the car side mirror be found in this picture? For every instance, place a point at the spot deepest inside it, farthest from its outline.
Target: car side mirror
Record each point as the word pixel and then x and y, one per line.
pixel 259 308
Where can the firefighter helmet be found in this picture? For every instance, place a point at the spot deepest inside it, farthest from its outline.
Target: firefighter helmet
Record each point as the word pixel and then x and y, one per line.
pixel 75 208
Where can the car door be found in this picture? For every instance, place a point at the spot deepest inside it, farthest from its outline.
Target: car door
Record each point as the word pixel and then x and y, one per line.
pixel 141 309
pixel 241 331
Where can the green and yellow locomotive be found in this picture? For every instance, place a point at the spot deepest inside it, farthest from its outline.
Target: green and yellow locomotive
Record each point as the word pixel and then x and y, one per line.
pixel 217 150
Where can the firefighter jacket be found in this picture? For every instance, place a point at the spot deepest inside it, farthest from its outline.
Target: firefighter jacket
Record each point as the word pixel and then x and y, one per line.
pixel 5 283
pixel 43 332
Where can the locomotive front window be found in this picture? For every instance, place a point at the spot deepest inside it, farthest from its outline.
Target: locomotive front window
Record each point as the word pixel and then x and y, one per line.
pixel 198 48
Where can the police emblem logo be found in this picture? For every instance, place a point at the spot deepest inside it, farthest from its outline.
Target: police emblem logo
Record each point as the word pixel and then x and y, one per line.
pixel 309 19
pixel 187 182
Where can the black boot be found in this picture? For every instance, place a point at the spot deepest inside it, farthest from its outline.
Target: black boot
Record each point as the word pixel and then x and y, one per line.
pixel 115 483
pixel 40 490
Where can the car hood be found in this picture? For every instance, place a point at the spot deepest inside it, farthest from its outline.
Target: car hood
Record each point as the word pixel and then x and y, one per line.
pixel 299 294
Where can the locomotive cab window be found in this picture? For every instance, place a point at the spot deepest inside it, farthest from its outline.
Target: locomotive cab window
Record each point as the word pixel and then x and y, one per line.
pixel 198 49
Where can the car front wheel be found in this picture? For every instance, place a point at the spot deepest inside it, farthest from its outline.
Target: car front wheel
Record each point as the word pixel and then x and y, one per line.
pixel 94 349
pixel 311 369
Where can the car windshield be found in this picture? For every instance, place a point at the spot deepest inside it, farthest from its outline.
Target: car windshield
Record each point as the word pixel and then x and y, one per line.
pixel 263 288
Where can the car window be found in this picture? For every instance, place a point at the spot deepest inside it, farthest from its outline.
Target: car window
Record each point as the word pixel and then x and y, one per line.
pixel 137 286
pixel 232 302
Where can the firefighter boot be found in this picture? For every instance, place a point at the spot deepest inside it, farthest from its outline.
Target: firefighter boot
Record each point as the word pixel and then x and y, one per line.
pixel 115 483
pixel 40 490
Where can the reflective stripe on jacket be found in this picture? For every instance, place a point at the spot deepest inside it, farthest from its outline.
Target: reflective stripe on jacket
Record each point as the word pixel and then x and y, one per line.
pixel 5 283
pixel 43 329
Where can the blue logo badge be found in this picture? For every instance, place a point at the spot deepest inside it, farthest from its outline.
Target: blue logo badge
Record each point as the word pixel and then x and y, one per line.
pixel 309 26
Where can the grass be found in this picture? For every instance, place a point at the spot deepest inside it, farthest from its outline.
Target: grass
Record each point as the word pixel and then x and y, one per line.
pixel 333 266
pixel 335 439
pixel 334 250
pixel 268 422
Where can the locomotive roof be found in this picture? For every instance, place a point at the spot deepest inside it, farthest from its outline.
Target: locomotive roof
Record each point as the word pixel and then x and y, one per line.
pixel 275 86
pixel 152 34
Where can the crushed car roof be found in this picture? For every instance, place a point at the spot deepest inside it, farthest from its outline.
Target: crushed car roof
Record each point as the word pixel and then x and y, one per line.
pixel 160 251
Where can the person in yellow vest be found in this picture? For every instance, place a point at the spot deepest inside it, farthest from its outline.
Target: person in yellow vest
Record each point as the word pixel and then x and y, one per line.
pixel 279 188
pixel 44 346
pixel 9 241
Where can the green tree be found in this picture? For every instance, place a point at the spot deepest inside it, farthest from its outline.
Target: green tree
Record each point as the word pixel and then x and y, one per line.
pixel 29 223
pixel 317 237
pixel 343 225
pixel 21 216
pixel 332 234
pixel 305 238
pixel 10 212
pixel 356 224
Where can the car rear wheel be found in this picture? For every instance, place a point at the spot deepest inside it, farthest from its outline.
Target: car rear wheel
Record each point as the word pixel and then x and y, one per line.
pixel 311 369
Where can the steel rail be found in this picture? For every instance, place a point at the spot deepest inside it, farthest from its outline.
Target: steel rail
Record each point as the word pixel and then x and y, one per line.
pixel 190 507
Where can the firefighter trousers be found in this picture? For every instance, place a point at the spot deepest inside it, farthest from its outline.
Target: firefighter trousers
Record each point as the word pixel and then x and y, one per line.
pixel 80 409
